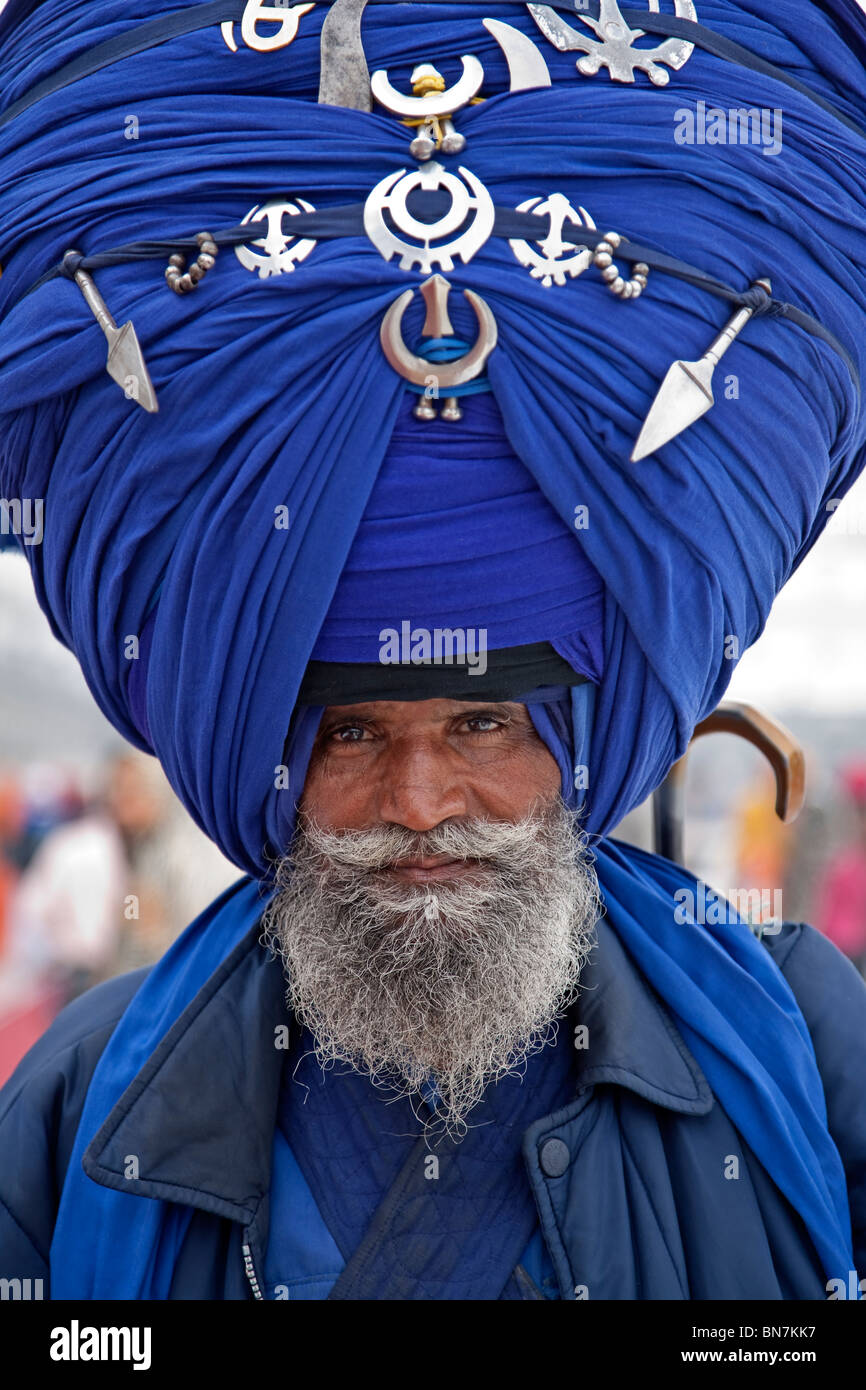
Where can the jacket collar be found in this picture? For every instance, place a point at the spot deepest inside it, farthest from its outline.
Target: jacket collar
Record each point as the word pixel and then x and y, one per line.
pixel 631 1039
pixel 200 1115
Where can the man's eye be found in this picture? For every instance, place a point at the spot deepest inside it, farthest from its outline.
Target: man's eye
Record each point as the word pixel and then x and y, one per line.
pixel 483 724
pixel 348 733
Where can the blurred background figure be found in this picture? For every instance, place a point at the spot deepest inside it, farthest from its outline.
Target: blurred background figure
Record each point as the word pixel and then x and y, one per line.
pixel 100 865
pixel 841 899
pixel 92 883
pixel 66 911
pixel 108 888
pixel 762 845
pixel 11 836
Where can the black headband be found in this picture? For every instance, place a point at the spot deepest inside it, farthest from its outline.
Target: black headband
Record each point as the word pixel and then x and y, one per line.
pixel 510 672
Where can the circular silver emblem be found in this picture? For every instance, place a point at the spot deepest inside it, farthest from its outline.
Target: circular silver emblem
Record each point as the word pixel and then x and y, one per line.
pixel 549 263
pixel 390 196
pixel 281 252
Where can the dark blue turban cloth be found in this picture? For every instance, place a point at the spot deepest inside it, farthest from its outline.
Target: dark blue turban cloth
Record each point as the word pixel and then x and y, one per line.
pixel 275 394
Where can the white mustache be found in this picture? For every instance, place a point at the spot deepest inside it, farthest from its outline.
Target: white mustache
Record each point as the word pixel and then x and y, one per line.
pixel 378 847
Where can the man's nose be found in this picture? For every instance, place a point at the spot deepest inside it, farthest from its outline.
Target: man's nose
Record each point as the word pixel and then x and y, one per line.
pixel 420 787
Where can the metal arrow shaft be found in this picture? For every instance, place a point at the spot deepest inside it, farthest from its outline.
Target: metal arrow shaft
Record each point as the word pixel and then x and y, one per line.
pixel 687 390
pixel 721 344
pixel 95 301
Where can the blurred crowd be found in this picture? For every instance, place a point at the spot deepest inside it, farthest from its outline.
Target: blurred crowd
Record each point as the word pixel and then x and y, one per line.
pixel 95 880
pixel 819 861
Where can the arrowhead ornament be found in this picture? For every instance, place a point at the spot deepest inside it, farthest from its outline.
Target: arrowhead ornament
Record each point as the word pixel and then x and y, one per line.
pixel 687 390
pixel 125 363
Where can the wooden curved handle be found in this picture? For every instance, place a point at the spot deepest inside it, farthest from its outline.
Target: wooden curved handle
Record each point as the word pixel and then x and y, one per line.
pixel 771 738
pixel 778 746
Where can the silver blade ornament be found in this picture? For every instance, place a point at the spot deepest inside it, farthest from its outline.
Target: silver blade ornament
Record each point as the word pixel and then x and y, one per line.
pixel 687 391
pixel 423 371
pixel 614 44
pixel 526 66
pixel 125 363
pixel 344 78
pixel 431 105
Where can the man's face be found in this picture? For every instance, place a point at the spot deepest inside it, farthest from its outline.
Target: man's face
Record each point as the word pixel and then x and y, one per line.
pixel 417 764
pixel 437 904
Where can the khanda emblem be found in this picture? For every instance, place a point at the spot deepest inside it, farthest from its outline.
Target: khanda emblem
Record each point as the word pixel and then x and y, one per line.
pixel 469 199
pixel 286 16
pixel 437 325
pixel 279 255
pixel 613 45
pixel 547 263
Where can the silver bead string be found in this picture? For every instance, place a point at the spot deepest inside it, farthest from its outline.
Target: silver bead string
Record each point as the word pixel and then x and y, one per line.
pixel 181 280
pixel 610 273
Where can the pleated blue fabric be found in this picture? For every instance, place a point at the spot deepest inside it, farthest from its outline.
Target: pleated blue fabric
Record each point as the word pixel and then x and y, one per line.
pixel 274 393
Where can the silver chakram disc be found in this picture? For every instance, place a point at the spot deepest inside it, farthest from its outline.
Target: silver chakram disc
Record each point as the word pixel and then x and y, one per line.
pixel 549 263
pixel 390 196
pixel 281 252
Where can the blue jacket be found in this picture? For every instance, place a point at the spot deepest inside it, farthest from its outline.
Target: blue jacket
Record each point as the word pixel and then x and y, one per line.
pixel 644 1189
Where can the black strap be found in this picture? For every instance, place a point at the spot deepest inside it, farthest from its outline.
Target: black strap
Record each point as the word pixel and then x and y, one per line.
pixel 348 220
pixel 510 672
pixel 186 21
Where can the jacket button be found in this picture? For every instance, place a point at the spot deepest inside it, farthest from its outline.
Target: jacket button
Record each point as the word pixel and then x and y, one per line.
pixel 554 1158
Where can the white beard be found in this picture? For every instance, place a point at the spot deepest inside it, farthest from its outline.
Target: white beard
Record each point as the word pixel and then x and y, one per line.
pixel 455 982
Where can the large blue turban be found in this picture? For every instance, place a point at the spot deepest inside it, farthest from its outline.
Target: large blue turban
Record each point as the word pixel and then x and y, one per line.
pixel 274 394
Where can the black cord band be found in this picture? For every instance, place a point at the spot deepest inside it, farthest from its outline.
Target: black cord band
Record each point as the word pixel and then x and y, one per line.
pixel 509 672
pixel 347 220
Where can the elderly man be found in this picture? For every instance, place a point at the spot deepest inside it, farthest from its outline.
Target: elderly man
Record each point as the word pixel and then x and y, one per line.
pixel 445 1039
pixel 417 1125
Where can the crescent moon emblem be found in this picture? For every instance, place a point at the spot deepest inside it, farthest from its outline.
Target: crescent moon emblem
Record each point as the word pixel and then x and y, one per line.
pixel 438 104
